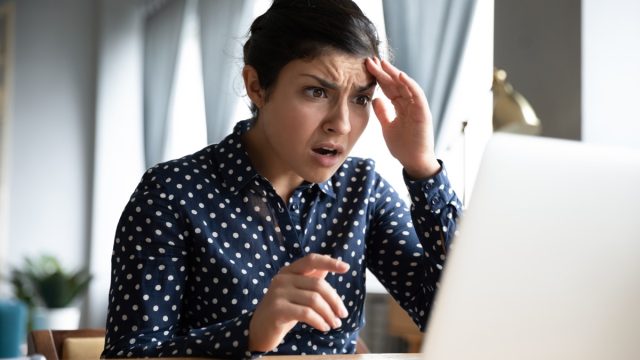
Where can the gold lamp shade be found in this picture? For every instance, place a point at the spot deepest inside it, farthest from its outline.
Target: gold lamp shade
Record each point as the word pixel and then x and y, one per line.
pixel 511 111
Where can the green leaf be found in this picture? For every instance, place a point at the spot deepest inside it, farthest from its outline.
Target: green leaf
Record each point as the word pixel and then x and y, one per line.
pixel 43 281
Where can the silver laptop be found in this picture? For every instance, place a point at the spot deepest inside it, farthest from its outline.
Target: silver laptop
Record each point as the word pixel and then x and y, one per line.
pixel 547 261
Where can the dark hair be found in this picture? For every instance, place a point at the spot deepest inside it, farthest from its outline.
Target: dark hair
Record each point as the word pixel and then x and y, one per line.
pixel 304 29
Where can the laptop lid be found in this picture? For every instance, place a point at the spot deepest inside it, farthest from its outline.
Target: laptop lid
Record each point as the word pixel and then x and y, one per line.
pixel 546 264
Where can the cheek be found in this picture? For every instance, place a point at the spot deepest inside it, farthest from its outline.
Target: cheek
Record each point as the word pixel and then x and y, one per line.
pixel 305 117
pixel 359 121
pixel 292 125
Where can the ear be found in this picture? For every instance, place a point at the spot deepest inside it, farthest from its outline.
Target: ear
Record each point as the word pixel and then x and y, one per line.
pixel 252 85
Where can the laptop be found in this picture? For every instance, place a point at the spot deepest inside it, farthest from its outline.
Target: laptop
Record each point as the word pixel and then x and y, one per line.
pixel 546 264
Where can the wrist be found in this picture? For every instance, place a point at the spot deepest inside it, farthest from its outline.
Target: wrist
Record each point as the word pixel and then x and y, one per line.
pixel 425 170
pixel 264 338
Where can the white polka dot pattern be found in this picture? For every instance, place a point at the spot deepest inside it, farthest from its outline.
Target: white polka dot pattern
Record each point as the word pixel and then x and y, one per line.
pixel 202 236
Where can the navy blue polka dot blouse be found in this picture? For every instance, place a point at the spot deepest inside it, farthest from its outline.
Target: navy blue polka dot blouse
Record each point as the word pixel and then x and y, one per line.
pixel 202 236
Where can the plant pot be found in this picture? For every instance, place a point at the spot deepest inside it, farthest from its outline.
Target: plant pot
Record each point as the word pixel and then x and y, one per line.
pixel 67 318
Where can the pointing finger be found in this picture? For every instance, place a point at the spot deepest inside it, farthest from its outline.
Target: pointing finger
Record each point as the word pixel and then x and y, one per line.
pixel 318 265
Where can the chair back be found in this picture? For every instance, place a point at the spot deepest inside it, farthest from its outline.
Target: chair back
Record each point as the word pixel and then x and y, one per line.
pixel 66 344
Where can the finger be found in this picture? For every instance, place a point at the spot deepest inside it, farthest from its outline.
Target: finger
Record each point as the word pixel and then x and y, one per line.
pixel 324 290
pixel 318 304
pixel 385 81
pixel 375 68
pixel 409 91
pixel 393 71
pixel 391 81
pixel 388 68
pixel 414 89
pixel 405 91
pixel 318 264
pixel 403 81
pixel 308 316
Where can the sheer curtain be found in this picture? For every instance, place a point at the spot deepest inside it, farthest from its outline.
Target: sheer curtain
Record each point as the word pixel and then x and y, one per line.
pixel 119 148
pixel 223 25
pixel 186 129
pixel 162 30
pixel 427 39
pixel 139 47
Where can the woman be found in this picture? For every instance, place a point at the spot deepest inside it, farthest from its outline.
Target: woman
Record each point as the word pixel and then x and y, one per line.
pixel 259 244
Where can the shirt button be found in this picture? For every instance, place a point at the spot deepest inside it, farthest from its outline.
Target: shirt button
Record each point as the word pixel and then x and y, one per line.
pixel 435 200
pixel 294 206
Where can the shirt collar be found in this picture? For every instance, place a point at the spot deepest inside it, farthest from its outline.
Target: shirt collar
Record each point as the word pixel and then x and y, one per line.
pixel 327 187
pixel 234 164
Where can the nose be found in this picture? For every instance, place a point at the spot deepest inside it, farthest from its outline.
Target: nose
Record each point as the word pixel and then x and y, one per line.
pixel 337 120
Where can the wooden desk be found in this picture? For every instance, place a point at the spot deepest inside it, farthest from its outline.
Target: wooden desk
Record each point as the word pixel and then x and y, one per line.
pixel 412 356
pixel 401 325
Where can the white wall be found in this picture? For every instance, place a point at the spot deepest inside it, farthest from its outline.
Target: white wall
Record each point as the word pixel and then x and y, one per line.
pixel 52 129
pixel 611 72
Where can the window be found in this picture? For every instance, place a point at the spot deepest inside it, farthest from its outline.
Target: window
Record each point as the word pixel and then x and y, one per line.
pixel 186 123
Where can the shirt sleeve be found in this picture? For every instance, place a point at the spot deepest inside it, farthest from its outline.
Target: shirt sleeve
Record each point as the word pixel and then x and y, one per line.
pixel 149 296
pixel 407 247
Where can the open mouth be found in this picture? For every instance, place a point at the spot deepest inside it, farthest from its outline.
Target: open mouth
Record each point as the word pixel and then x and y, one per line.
pixel 325 151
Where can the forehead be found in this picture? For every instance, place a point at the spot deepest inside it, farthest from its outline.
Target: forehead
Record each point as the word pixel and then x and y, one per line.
pixel 334 66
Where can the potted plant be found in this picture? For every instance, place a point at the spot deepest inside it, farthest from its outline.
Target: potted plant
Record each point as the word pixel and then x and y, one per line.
pixel 50 292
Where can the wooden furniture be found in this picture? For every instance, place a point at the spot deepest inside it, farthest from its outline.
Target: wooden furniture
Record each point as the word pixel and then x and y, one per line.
pixel 349 357
pixel 84 343
pixel 361 347
pixel 89 343
pixel 401 325
pixel 326 357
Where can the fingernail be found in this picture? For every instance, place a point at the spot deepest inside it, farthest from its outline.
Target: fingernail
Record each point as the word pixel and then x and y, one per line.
pixel 337 323
pixel 343 312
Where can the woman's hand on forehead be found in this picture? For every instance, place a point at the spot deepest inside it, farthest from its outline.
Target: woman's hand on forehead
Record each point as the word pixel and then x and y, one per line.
pixel 409 135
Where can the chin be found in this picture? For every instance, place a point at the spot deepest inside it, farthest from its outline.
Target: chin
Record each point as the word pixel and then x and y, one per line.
pixel 316 179
pixel 319 176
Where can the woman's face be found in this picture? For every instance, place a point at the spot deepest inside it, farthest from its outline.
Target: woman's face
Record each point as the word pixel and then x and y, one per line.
pixel 313 115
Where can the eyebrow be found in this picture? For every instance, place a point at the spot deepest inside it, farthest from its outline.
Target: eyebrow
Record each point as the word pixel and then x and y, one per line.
pixel 334 86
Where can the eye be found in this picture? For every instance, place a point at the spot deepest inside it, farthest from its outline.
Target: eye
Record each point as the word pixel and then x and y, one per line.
pixel 363 100
pixel 316 92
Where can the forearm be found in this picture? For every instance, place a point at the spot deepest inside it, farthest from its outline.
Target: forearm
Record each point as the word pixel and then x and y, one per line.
pixel 226 339
pixel 435 210
pixel 407 249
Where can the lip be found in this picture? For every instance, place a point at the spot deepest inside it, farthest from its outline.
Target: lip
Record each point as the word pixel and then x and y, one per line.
pixel 328 160
pixel 329 145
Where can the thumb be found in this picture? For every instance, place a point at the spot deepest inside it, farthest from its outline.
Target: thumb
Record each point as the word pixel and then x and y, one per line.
pixel 382 111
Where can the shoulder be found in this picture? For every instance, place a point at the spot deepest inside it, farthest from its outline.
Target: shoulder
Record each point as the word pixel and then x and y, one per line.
pixel 174 176
pixel 195 163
